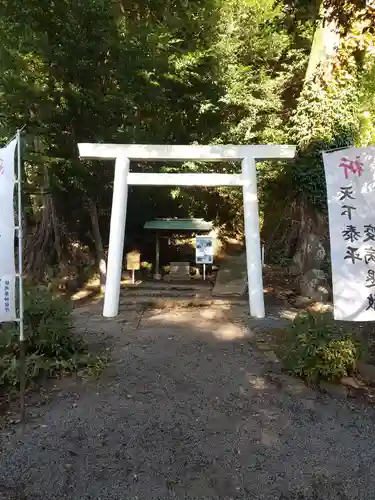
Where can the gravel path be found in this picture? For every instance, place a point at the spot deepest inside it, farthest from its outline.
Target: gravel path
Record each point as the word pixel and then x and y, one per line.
pixel 188 410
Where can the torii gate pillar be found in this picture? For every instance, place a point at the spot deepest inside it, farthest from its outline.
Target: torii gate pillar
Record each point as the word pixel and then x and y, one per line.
pixel 123 154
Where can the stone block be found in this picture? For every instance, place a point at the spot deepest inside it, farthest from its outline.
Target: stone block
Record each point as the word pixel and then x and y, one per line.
pixel 314 284
pixel 311 255
pixel 178 271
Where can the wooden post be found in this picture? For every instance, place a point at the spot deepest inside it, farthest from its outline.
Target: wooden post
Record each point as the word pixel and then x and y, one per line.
pixel 157 274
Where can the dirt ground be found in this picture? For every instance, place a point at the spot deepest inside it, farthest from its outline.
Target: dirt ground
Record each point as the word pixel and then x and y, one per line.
pixel 188 409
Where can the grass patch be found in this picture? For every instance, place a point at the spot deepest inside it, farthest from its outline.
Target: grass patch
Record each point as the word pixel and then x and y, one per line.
pixel 276 339
pixel 52 346
pixel 319 348
pixel 315 347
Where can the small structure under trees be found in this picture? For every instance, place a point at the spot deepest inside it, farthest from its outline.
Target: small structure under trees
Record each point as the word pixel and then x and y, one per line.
pixel 177 226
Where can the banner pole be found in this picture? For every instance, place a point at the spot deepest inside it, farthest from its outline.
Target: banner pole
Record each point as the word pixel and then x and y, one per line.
pixel 20 283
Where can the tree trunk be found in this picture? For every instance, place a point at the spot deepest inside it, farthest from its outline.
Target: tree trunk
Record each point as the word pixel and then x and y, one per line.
pixel 324 47
pixel 45 236
pixel 93 211
pixel 55 223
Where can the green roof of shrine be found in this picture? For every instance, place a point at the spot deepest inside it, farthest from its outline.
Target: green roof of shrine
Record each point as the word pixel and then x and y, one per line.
pixel 179 225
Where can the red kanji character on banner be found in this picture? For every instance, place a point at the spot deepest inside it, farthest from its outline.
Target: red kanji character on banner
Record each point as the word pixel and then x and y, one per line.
pixel 354 166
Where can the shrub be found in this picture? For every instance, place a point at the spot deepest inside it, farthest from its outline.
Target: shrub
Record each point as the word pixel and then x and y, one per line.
pixel 51 344
pixel 146 265
pixel 319 348
pixel 49 325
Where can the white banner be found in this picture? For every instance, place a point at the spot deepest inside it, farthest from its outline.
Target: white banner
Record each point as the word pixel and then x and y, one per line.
pixel 204 250
pixel 350 177
pixel 7 261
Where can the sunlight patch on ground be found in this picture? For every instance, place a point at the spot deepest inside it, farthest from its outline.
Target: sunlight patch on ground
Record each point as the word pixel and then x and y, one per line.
pixel 86 293
pixel 257 382
pixel 211 314
pixel 82 294
pixel 229 332
pixel 213 321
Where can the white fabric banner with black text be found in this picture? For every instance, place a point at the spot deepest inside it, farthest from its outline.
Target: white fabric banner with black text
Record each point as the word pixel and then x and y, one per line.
pixel 7 228
pixel 350 178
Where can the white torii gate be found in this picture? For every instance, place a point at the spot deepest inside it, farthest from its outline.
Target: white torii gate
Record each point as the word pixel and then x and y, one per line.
pixel 123 154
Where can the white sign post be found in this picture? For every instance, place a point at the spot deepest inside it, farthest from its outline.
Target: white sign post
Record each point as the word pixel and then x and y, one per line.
pixel 204 252
pixel 350 177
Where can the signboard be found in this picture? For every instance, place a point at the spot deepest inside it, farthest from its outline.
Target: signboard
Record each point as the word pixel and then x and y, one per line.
pixel 204 250
pixel 350 177
pixel 133 261
pixel 7 227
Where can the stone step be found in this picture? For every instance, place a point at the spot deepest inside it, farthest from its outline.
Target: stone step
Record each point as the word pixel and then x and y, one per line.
pixel 180 302
pixel 165 293
pixel 165 286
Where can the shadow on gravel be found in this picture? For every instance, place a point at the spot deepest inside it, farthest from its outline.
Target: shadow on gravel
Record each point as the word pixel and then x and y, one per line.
pixel 189 410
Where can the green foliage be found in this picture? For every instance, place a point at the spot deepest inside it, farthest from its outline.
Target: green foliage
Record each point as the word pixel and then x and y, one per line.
pixel 325 118
pixel 51 346
pixel 319 348
pixel 203 71
pixel 250 67
pixel 146 265
pixel 336 106
pixel 344 12
pixel 156 72
pixel 95 366
pixel 48 325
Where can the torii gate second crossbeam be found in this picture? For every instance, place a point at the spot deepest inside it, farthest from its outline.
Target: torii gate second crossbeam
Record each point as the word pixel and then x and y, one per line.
pixel 123 154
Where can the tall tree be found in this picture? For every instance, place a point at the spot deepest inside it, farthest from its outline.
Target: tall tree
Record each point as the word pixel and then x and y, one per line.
pixel 175 71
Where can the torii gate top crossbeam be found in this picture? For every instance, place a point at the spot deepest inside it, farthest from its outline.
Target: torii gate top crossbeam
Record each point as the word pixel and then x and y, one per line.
pixel 139 152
